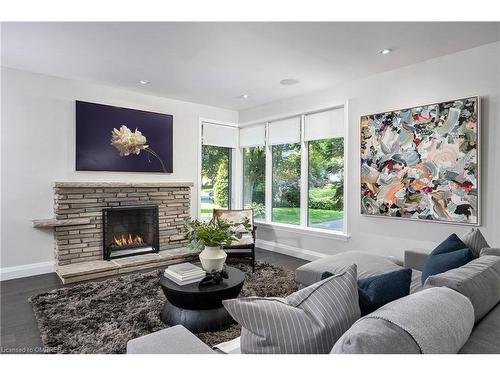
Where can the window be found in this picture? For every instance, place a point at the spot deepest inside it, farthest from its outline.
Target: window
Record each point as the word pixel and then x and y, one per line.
pixel 254 177
pixel 286 183
pixel 215 179
pixel 218 143
pixel 293 170
pixel 326 183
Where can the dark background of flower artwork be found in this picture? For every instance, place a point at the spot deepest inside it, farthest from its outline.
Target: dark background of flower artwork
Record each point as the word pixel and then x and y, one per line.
pixel 94 123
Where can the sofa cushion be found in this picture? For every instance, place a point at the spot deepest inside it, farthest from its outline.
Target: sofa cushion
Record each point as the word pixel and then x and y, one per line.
pixel 479 280
pixel 376 291
pixel 308 321
pixel 490 251
pixel 449 254
pixel 173 340
pixel 438 320
pixel 376 336
pixel 367 265
pixel 485 337
pixel 475 241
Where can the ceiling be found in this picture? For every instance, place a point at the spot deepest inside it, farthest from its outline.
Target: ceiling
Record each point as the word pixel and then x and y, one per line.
pixel 215 63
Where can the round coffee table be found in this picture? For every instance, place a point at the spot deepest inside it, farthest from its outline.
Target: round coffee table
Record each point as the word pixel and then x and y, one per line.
pixel 199 308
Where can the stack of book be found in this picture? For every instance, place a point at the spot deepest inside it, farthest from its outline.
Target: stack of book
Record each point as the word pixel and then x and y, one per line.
pixel 184 273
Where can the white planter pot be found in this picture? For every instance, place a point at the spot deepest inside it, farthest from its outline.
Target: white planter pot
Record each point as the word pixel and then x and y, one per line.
pixel 212 258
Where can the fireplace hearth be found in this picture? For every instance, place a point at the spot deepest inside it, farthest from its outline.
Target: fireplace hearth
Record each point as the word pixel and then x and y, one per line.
pixel 129 231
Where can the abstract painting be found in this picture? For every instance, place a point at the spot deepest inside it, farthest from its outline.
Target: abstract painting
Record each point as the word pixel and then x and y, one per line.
pixel 422 163
pixel 122 139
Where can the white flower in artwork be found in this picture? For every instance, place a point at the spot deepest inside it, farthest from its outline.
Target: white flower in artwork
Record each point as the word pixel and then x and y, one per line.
pixel 128 142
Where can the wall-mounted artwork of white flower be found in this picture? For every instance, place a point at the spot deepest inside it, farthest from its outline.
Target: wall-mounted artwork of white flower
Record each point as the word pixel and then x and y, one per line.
pixel 132 143
pixel 117 139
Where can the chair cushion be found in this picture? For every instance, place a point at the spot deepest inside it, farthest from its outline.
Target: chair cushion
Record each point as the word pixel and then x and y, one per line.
pixel 449 254
pixel 438 320
pixel 479 280
pixel 246 239
pixel 376 291
pixel 308 321
pixel 235 216
pixel 367 265
pixel 475 241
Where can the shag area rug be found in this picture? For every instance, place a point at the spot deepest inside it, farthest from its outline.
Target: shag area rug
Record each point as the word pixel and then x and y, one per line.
pixel 101 316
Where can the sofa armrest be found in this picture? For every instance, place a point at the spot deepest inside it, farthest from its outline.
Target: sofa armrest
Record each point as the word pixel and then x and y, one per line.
pixel 173 340
pixel 415 259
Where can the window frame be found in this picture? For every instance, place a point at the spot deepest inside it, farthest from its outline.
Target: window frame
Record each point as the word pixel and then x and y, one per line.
pixel 233 173
pixel 300 185
pixel 242 149
pixel 303 227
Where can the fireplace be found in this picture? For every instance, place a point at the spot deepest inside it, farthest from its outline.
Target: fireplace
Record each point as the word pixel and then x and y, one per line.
pixel 129 231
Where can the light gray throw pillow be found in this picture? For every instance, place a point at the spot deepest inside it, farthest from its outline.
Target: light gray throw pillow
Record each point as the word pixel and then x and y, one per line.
pixel 479 280
pixel 309 321
pixel 490 251
pixel 475 241
pixel 432 321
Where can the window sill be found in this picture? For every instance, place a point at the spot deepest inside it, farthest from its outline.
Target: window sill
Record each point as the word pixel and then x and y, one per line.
pixel 323 233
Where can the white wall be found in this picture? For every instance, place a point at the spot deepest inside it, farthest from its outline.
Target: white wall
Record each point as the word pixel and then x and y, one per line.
pixel 467 73
pixel 37 148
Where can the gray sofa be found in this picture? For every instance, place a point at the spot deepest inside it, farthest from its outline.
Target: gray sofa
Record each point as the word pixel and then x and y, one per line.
pixel 476 284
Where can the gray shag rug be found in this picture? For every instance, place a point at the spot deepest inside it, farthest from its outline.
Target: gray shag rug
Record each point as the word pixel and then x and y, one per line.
pixel 101 316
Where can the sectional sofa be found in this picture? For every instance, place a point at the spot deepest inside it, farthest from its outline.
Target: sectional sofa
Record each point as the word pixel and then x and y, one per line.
pixel 457 311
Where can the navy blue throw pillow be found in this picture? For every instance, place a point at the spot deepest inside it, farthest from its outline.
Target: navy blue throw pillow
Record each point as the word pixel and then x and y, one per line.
pixel 376 291
pixel 449 254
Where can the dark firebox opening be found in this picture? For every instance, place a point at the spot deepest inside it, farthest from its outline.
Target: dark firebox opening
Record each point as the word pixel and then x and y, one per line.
pixel 129 231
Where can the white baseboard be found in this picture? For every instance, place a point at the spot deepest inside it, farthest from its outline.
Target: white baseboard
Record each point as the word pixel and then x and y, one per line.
pixel 289 250
pixel 8 273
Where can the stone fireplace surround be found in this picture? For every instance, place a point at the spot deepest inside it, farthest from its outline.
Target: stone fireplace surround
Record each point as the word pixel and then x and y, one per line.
pixel 78 241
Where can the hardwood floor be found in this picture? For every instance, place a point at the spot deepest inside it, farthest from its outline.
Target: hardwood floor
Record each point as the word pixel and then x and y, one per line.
pixel 18 328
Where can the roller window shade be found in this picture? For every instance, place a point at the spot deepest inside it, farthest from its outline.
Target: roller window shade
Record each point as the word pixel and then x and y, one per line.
pixel 220 135
pixel 284 131
pixel 324 125
pixel 254 135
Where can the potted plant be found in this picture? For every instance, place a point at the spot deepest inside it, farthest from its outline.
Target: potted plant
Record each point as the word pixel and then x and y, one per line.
pixel 212 236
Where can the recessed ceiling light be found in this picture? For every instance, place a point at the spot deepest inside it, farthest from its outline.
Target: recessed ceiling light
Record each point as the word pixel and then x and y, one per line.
pixel 243 96
pixel 144 82
pixel 385 51
pixel 289 81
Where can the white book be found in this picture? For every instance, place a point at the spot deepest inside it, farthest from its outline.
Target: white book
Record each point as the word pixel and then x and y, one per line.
pixel 183 282
pixel 185 269
pixel 184 278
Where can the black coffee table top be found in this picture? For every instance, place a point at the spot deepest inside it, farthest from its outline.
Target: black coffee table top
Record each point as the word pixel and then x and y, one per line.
pixel 195 297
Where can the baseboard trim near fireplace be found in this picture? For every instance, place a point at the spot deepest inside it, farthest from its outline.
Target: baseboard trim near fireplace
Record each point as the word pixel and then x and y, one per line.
pixel 293 251
pixel 25 270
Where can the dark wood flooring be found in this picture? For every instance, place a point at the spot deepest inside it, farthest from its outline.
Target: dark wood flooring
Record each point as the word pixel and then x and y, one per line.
pixel 18 328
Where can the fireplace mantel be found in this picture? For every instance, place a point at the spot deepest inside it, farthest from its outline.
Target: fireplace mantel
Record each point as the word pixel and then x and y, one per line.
pixel 104 184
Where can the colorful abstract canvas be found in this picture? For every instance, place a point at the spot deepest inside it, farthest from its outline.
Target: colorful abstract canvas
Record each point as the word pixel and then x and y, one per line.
pixel 422 163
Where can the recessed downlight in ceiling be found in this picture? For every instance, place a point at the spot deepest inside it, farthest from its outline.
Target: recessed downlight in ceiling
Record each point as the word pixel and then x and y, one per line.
pixel 385 51
pixel 243 96
pixel 144 82
pixel 289 81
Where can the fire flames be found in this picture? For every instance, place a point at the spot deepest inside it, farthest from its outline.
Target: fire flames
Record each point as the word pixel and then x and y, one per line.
pixel 128 240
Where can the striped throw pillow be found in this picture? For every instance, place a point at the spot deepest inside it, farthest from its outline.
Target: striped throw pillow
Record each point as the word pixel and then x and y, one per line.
pixel 308 321
pixel 475 241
